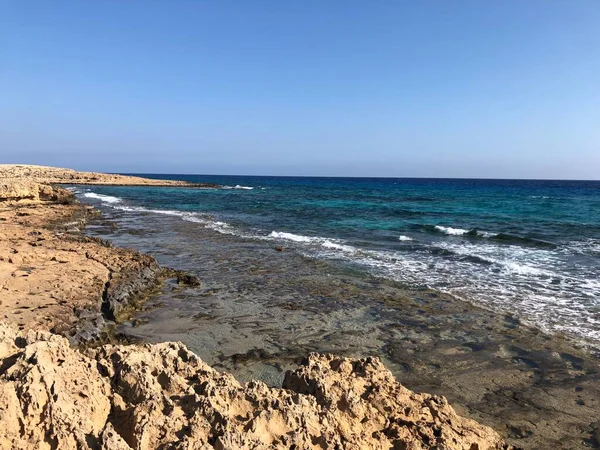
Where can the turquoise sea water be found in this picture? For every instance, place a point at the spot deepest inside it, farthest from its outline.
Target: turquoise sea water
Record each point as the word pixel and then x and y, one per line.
pixel 531 248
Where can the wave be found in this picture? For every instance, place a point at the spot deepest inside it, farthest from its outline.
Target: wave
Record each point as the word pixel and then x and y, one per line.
pixel 510 260
pixel 103 198
pixel 342 247
pixel 500 237
pixel 451 231
pixel 290 236
pixel 239 186
pixel 404 238
pixel 166 212
pixel 334 244
pixel 206 221
pixel 588 247
pixel 462 232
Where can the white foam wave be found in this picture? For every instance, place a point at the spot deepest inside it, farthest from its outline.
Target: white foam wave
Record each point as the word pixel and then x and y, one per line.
pixel 166 212
pixel 333 244
pixel 525 282
pixel 461 232
pixel 103 198
pixel 342 247
pixel 508 259
pixel 585 247
pixel 451 231
pixel 486 234
pixel 404 238
pixel 290 236
pixel 239 186
pixel 523 269
pixel 219 226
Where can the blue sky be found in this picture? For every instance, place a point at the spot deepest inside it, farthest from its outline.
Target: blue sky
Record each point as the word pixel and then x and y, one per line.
pixel 504 88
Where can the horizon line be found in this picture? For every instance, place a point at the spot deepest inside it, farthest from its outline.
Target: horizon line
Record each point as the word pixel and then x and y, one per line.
pixel 359 177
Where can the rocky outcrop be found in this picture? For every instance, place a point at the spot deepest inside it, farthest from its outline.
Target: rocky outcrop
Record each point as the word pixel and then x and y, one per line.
pixel 18 190
pixel 57 175
pixel 164 396
pixel 54 278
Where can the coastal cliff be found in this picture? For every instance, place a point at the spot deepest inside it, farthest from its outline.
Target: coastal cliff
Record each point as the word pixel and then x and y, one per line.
pixel 60 288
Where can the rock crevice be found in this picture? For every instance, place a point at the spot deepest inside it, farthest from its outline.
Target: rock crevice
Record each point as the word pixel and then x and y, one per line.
pixel 164 396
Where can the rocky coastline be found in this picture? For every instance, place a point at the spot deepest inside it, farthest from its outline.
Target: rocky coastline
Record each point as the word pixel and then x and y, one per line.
pixel 61 290
pixel 20 173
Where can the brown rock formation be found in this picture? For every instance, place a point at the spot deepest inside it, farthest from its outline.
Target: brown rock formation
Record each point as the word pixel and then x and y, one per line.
pixel 164 396
pixel 56 175
pixel 15 190
pixel 54 278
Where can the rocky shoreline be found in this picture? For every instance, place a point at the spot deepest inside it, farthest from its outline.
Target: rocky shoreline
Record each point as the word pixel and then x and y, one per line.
pixel 59 280
pixel 19 173
pixel 60 289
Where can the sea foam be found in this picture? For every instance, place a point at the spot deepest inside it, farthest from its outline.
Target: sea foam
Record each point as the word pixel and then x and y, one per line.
pixel 103 198
pixel 335 244
pixel 451 231
pixel 239 186
pixel 290 236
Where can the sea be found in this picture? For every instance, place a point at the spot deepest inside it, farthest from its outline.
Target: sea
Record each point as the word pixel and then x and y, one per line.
pixel 530 248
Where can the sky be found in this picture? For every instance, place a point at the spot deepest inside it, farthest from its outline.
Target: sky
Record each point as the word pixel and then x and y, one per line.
pixel 414 88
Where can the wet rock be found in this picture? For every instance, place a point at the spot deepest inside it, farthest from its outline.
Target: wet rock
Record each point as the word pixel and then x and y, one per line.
pixel 187 279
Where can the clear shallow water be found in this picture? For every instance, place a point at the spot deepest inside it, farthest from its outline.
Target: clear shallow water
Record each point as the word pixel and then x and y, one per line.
pixel 531 248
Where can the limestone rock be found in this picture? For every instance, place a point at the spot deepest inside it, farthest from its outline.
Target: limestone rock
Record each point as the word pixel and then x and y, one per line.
pixel 16 190
pixel 57 175
pixel 164 396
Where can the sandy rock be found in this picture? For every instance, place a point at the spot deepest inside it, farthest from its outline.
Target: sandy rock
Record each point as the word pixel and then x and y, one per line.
pixel 19 190
pixel 164 396
pixel 57 175
pixel 51 396
pixel 63 282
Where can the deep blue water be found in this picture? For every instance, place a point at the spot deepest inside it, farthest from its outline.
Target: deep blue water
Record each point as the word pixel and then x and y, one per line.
pixel 528 247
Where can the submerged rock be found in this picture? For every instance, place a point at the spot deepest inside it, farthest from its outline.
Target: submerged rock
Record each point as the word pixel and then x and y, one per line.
pixel 164 396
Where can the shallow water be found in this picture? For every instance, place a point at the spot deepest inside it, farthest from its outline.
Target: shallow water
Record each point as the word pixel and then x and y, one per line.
pixel 530 248
pixel 260 310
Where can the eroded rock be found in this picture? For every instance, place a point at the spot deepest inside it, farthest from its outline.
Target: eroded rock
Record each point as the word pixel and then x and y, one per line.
pixel 164 396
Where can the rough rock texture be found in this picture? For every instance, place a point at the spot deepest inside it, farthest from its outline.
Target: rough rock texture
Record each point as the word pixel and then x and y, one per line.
pixel 164 396
pixel 54 278
pixel 15 190
pixel 56 175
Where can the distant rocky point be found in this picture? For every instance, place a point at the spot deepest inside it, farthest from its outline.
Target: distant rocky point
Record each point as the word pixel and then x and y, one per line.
pixel 56 175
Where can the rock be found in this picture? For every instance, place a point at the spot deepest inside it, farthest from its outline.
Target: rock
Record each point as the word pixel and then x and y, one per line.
pixel 18 190
pixel 164 396
pixel 50 395
pixel 56 175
